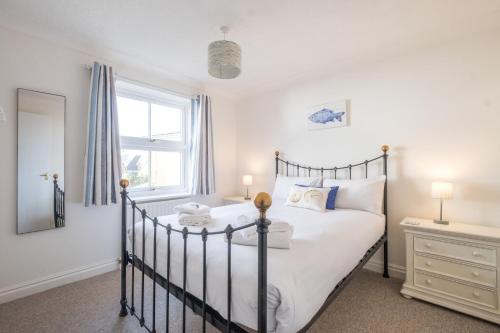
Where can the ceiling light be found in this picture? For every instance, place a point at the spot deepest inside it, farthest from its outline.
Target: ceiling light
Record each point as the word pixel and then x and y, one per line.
pixel 224 58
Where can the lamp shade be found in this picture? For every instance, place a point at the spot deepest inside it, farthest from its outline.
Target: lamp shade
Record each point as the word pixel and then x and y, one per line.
pixel 224 59
pixel 442 190
pixel 247 180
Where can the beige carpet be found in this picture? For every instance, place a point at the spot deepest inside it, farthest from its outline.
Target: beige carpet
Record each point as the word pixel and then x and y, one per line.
pixel 369 304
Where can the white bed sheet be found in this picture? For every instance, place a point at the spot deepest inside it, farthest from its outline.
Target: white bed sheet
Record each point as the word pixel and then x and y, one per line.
pixel 326 246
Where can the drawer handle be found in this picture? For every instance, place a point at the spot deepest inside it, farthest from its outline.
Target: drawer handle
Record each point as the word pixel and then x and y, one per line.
pixel 428 281
pixel 428 263
pixel 476 294
pixel 476 274
pixel 428 245
pixel 475 254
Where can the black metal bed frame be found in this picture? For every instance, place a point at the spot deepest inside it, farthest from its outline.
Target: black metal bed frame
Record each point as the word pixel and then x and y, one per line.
pixel 262 202
pixel 59 206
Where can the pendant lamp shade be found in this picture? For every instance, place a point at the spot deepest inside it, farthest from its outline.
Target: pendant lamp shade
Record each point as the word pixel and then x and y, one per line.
pixel 224 58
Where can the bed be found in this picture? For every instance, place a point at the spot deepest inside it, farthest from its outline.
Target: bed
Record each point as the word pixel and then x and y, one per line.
pixel 218 280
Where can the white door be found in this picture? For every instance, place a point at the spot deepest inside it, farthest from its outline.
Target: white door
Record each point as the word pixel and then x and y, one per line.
pixel 35 190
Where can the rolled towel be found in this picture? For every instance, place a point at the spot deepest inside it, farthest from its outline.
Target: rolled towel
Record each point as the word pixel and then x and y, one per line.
pixel 194 220
pixel 192 208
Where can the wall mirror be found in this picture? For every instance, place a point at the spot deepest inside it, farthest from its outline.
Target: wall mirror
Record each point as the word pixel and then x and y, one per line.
pixel 40 161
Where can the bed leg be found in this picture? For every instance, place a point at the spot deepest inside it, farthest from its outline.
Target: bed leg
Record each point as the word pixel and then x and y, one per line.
pixel 386 260
pixel 123 299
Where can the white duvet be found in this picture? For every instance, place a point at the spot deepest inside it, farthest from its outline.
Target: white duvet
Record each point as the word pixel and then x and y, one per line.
pixel 325 248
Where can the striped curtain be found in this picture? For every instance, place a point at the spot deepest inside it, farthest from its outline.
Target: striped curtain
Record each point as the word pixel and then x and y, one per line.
pixel 102 157
pixel 202 146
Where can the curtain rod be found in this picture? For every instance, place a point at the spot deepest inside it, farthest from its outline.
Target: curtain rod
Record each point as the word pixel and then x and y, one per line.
pixel 148 85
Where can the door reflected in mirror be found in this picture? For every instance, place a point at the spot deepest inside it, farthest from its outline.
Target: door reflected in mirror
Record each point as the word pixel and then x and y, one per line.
pixel 40 161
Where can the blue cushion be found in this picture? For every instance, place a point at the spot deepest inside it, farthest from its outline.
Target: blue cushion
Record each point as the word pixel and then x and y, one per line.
pixel 330 201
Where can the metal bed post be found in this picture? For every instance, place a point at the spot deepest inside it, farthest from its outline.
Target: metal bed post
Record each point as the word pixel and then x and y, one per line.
pixel 277 154
pixel 132 297
pixel 155 226
pixel 143 262
pixel 58 203
pixel 229 236
pixel 167 314
pixel 55 176
pixel 262 202
pixel 385 149
pixel 184 277
pixel 123 301
pixel 204 237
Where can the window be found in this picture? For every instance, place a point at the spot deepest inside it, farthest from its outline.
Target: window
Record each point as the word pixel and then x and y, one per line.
pixel 154 137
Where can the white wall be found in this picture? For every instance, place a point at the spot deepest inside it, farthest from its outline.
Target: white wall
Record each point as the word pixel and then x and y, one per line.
pixel 438 109
pixel 90 241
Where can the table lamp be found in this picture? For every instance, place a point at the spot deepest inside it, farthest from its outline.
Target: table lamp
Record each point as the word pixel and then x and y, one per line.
pixel 442 191
pixel 247 181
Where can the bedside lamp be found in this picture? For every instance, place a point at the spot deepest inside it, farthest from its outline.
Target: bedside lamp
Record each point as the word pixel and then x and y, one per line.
pixel 442 191
pixel 247 181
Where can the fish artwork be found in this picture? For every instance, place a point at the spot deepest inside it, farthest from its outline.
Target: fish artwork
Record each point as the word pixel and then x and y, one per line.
pixel 325 115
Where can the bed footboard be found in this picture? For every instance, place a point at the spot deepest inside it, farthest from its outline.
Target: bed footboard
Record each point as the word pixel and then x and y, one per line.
pixel 262 202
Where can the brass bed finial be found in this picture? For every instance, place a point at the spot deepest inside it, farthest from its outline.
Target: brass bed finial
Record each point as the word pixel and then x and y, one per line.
pixel 263 201
pixel 385 148
pixel 277 153
pixel 55 176
pixel 124 183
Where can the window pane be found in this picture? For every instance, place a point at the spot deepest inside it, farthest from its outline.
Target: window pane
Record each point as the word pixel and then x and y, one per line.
pixel 166 123
pixel 166 168
pixel 132 117
pixel 135 167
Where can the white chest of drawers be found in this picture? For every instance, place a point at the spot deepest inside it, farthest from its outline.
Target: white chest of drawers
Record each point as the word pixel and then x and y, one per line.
pixel 456 266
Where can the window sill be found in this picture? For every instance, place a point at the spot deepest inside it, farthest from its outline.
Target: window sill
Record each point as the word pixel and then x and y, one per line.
pixel 143 198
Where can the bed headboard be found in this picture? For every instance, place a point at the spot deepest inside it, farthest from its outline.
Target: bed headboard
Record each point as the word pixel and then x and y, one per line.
pixel 294 169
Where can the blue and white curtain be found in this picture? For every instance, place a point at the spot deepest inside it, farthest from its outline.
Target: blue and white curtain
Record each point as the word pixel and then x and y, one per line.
pixel 102 157
pixel 202 146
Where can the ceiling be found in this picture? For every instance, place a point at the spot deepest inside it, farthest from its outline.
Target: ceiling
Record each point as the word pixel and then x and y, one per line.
pixel 281 41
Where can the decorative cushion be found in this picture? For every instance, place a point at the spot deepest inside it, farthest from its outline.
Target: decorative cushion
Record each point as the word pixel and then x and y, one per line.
pixel 361 194
pixel 308 197
pixel 330 201
pixel 283 184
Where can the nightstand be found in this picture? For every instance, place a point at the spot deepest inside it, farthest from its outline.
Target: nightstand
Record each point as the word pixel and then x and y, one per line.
pixel 456 266
pixel 235 200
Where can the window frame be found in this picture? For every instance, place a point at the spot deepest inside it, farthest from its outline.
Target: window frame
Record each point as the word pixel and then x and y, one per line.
pixel 131 90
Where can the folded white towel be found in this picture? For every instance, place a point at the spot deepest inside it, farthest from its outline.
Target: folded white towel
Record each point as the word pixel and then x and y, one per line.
pixel 192 208
pixel 244 220
pixel 194 220
pixel 278 240
pixel 275 226
pixel 279 236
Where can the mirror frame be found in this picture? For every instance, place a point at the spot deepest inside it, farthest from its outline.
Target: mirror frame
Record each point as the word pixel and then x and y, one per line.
pixel 17 156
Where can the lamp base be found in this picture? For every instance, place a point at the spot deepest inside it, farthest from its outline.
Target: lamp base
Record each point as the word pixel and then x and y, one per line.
pixel 441 221
pixel 247 198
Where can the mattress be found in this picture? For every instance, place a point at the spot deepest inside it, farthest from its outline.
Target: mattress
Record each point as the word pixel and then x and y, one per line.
pixel 326 246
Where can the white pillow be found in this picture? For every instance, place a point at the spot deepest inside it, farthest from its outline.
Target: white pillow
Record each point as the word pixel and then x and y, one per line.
pixel 361 194
pixel 308 197
pixel 283 184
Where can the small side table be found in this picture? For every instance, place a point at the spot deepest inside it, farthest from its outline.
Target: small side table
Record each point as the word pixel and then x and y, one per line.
pixel 235 200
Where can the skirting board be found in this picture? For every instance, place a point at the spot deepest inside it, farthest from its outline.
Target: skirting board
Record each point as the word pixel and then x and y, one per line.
pixel 35 286
pixel 396 271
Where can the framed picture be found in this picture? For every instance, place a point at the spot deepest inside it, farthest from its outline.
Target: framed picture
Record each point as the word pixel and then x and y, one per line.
pixel 328 115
